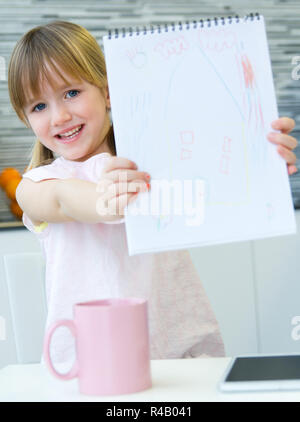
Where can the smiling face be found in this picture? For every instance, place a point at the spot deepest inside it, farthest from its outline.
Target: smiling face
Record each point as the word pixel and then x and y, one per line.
pixel 72 120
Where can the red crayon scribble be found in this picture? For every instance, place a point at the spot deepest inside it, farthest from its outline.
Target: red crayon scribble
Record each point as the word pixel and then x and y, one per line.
pixel 252 94
pixel 248 72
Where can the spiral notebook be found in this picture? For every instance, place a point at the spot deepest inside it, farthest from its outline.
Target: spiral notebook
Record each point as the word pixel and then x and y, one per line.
pixel 192 104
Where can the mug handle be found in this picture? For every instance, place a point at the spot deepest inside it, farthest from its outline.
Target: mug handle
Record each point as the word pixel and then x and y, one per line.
pixel 74 370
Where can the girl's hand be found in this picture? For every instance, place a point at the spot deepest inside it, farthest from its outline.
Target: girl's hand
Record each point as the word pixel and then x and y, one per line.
pixel 119 185
pixel 285 142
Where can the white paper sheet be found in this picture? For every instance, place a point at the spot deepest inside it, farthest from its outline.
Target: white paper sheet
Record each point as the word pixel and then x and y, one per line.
pixel 192 107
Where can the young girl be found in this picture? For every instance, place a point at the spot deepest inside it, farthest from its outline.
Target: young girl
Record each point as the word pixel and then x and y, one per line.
pixel 58 87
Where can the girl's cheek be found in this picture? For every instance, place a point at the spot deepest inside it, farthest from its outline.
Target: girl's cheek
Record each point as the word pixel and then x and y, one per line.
pixel 38 124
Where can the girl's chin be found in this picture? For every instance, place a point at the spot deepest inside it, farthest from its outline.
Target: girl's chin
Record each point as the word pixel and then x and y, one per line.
pixel 76 156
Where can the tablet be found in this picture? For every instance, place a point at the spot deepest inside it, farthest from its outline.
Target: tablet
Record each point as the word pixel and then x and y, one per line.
pixel 262 373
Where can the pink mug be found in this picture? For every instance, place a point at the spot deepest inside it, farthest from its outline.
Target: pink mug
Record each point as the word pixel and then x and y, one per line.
pixel 112 346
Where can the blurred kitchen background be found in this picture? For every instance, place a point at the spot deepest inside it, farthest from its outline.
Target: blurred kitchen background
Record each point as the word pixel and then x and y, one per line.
pixel 254 286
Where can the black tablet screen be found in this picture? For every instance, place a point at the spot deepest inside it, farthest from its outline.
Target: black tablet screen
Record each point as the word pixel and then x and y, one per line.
pixel 265 368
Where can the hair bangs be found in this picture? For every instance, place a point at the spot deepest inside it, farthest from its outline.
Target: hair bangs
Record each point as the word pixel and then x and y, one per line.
pixel 36 74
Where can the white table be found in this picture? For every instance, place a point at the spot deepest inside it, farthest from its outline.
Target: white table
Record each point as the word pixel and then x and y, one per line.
pixel 174 380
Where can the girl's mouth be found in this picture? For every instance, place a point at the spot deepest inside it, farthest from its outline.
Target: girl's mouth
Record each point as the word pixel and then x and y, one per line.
pixel 72 137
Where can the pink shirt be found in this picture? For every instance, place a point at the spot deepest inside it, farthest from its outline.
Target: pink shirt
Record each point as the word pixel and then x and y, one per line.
pixel 90 261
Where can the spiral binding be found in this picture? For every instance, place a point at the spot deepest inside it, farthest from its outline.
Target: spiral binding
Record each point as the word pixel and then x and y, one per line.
pixel 208 23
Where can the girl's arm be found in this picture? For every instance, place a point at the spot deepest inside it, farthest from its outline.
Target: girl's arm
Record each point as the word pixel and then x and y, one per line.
pixel 78 200
pixel 60 200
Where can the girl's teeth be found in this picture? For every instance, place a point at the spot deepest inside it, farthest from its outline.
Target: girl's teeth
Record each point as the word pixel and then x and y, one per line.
pixel 72 133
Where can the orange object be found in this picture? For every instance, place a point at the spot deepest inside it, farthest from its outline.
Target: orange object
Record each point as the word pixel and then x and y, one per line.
pixel 16 210
pixel 8 174
pixel 11 186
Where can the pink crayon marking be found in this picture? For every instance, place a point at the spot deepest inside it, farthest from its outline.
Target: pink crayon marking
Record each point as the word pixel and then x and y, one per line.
pixel 172 46
pixel 216 40
pixel 159 48
pixel 230 40
pixel 227 144
pixel 187 137
pixel 185 154
pixel 183 44
pixel 224 164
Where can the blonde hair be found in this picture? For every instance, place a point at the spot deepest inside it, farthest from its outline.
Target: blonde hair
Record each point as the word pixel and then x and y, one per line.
pixel 57 44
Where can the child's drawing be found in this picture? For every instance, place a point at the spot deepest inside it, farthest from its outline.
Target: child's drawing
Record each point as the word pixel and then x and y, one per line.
pixel 171 46
pixel 200 109
pixel 187 137
pixel 224 164
pixel 137 57
pixel 163 221
pixel 252 107
pixel 186 154
pixel 216 39
pixel 139 116
pixel 226 144
pixel 251 95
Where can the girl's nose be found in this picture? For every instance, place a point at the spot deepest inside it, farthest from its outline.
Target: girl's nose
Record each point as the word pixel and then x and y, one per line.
pixel 60 116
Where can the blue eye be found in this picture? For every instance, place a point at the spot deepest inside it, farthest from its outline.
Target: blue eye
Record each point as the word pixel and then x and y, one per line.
pixel 72 91
pixel 38 109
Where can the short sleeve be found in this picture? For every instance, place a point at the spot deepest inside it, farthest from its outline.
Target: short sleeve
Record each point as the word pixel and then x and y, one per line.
pixel 122 220
pixel 38 174
pixel 49 171
pixel 41 231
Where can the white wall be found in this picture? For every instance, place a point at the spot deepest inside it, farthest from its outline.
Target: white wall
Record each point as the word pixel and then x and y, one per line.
pixel 253 286
pixel 255 291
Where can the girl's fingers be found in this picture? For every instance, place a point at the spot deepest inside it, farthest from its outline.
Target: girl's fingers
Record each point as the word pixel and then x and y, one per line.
pixel 292 169
pixel 287 154
pixel 118 163
pixel 284 124
pixel 116 189
pixel 102 185
pixel 126 176
pixel 283 139
pixel 119 203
